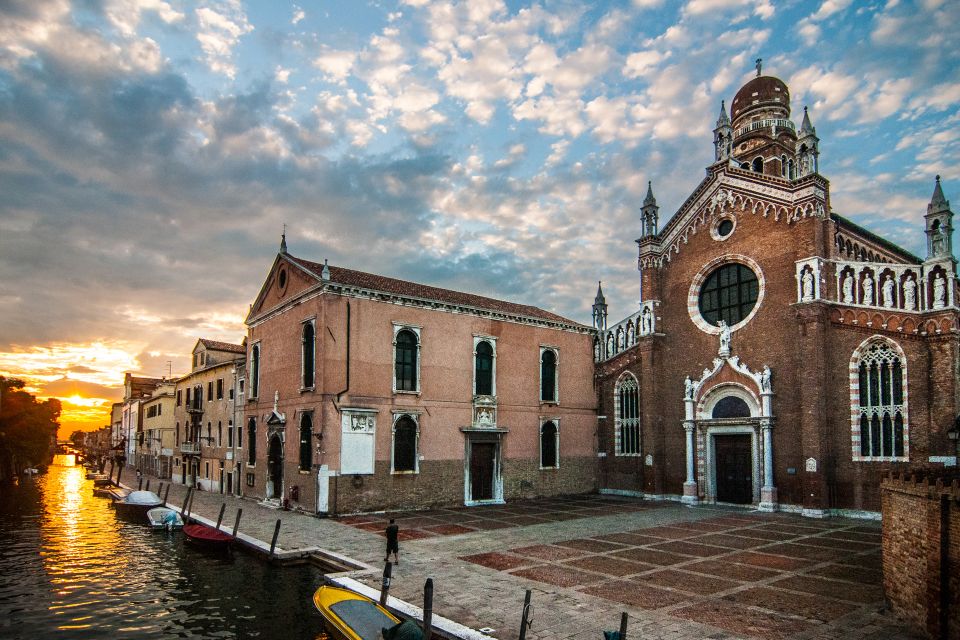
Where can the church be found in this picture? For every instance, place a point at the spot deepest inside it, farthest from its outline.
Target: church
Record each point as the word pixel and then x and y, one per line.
pixel 781 356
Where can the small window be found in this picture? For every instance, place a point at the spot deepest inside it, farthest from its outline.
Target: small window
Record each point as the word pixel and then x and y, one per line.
pixel 484 369
pixel 230 434
pixel 219 433
pixel 179 397
pixel 210 391
pixel 405 445
pixel 731 407
pixel 306 429
pixel 188 397
pixel 725 228
pixel 255 371
pixel 159 409
pixel 219 388
pixel 405 369
pixel 283 278
pixel 548 375
pixel 176 441
pixel 758 165
pixel 549 441
pixel 250 479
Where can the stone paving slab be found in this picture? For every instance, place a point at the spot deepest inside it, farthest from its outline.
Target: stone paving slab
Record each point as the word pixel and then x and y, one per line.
pixel 680 573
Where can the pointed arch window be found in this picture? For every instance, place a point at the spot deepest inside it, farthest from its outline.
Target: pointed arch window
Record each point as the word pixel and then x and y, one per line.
pixel 548 374
pixel 626 408
pixel 405 433
pixel 549 445
pixel 879 403
pixel 308 347
pixel 252 442
pixel 406 351
pixel 255 371
pixel 306 430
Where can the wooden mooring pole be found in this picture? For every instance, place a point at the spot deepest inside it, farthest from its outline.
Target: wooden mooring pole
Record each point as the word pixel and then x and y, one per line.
pixel 623 626
pixel 119 471
pixel 236 523
pixel 185 509
pixel 276 534
pixel 385 586
pixel 147 488
pixel 223 507
pixel 166 494
pixel 525 621
pixel 427 608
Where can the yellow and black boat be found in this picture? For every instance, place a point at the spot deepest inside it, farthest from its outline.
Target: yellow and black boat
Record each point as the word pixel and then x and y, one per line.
pixel 351 616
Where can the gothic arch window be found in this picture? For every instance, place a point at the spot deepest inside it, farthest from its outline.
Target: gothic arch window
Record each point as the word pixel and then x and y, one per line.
pixel 405 436
pixel 549 445
pixel 406 347
pixel 626 407
pixel 308 344
pixel 252 440
pixel 306 430
pixel 878 398
pixel 758 165
pixel 255 371
pixel 483 368
pixel 548 375
pixel 783 166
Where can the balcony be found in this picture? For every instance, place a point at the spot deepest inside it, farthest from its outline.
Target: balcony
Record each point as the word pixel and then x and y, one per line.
pixel 190 448
pixel 194 408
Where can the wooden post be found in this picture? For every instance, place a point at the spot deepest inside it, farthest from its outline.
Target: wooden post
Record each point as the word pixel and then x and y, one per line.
pixel 385 588
pixel 119 471
pixel 185 508
pixel 525 621
pixel 623 626
pixel 276 534
pixel 236 523
pixel 148 484
pixel 140 483
pixel 166 494
pixel 223 507
pixel 427 608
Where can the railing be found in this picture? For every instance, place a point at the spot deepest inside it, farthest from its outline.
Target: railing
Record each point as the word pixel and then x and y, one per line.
pixel 774 123
pixel 190 448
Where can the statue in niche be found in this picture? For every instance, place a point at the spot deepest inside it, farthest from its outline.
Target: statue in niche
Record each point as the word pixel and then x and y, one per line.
pixel 610 345
pixel 765 378
pixel 646 322
pixel 909 294
pixel 596 350
pixel 620 339
pixel 724 338
pixel 688 389
pixel 938 241
pixel 939 292
pixel 807 281
pixel 631 334
pixel 848 289
pixel 888 291
pixel 867 290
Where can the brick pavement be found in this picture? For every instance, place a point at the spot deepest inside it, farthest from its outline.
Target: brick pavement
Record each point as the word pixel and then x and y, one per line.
pixel 680 573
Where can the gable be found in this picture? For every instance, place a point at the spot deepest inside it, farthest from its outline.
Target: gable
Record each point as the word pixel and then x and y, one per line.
pixel 285 281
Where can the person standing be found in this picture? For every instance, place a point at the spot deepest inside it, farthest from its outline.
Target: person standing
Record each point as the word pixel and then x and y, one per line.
pixel 393 543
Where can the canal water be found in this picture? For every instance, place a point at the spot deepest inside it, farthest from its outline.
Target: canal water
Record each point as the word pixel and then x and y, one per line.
pixel 69 568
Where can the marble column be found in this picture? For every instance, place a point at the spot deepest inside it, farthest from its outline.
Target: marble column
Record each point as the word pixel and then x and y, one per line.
pixel 691 494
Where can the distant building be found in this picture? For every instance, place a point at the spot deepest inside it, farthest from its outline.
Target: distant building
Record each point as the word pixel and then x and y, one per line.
pixel 781 356
pixel 155 440
pixel 135 390
pixel 206 433
pixel 366 392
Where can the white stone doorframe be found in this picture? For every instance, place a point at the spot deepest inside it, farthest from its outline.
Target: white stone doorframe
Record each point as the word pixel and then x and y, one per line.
pixel 492 436
pixel 695 393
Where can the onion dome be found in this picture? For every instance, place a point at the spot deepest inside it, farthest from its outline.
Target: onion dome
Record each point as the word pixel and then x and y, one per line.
pixel 759 93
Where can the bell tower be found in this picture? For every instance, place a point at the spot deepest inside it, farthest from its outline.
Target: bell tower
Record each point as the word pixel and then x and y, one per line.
pixel 722 135
pixel 600 310
pixel 650 213
pixel 939 222
pixel 808 148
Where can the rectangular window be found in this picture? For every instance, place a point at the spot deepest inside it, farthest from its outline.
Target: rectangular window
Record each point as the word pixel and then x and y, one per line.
pixel 179 397
pixel 188 397
pixel 230 434
pixel 250 479
pixel 230 394
pixel 210 390
pixel 206 469
pixel 159 409
pixel 219 388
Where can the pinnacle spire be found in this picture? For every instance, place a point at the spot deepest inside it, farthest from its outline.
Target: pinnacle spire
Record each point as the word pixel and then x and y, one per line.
pixel 649 199
pixel 938 200
pixel 283 240
pixel 723 119
pixel 807 126
pixel 599 299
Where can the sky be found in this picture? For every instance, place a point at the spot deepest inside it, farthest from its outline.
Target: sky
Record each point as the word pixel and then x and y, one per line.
pixel 152 151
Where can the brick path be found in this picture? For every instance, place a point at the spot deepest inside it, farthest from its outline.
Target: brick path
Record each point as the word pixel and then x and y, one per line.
pixel 680 573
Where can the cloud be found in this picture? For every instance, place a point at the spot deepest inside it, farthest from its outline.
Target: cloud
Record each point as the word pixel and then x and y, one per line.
pixel 220 27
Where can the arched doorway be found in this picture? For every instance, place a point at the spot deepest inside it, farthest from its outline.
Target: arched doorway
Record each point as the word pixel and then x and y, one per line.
pixel 275 468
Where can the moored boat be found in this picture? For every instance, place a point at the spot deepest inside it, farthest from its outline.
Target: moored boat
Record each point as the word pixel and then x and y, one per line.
pixel 351 616
pixel 136 504
pixel 207 537
pixel 164 518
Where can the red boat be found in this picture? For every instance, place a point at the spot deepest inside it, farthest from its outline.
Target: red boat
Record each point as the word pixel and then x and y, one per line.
pixel 206 536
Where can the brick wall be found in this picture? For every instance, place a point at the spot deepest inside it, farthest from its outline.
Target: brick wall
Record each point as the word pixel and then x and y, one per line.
pixel 921 553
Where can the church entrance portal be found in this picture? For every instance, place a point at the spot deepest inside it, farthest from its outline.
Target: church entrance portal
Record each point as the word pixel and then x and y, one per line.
pixel 734 468
pixel 275 468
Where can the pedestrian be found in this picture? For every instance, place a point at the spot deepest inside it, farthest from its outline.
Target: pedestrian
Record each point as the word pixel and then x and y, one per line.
pixel 393 544
pixel 139 475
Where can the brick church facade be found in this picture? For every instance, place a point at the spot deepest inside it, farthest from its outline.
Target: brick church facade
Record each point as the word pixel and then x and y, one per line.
pixel 781 356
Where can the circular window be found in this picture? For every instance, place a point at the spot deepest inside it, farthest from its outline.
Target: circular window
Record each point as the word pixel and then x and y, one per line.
pixel 728 293
pixel 725 228
pixel 282 278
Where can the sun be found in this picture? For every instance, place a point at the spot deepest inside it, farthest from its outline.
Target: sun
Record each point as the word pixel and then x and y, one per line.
pixel 79 401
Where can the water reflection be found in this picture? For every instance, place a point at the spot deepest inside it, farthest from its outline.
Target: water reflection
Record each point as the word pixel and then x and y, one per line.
pixel 70 568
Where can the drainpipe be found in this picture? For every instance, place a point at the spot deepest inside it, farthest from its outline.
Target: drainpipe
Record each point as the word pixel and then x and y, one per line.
pixel 347 387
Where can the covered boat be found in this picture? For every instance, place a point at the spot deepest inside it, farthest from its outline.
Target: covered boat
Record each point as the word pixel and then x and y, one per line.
pixel 136 504
pixel 351 616
pixel 164 518
pixel 206 536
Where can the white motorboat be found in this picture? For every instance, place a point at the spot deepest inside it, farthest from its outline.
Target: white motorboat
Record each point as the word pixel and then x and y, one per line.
pixel 164 518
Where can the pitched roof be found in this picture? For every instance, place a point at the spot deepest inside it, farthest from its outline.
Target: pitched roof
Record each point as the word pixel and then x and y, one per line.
pixel 222 346
pixel 850 225
pixel 349 277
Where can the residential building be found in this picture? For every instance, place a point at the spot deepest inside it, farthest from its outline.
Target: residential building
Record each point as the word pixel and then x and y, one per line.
pixel 155 440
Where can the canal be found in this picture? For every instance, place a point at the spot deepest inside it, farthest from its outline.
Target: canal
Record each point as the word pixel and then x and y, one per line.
pixel 69 568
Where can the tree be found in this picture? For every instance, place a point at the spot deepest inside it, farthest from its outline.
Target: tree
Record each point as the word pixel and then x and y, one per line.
pixel 27 428
pixel 77 438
